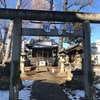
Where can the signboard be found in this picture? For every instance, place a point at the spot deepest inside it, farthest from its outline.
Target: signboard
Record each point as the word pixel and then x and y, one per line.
pixel 69 27
pixel 46 26
pixel 42 63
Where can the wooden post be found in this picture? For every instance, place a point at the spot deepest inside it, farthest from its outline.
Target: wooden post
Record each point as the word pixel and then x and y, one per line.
pixel 15 64
pixel 87 61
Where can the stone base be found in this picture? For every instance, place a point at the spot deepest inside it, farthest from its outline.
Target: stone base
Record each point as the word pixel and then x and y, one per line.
pixel 68 79
pixel 62 74
pixel 23 74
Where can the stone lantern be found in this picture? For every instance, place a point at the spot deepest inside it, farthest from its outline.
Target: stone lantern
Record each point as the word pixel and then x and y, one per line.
pixel 64 59
pixel 62 67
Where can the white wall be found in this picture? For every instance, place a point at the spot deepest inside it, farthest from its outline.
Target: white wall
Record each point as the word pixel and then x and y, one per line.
pixel 96 56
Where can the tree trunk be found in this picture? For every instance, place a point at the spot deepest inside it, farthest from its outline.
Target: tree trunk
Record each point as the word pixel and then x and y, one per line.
pixel 10 35
pixel 61 38
pixel 0 47
pixel 0 39
pixel 3 42
pixel 60 45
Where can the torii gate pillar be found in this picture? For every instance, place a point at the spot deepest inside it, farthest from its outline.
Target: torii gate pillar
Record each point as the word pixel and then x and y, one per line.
pixel 87 62
pixel 15 64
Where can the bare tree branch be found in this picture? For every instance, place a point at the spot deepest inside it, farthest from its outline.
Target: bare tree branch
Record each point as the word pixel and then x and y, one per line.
pixel 10 29
pixel 84 5
pixel 80 4
pixel 18 4
pixel 73 4
pixel 25 4
pixel 5 5
pixel 3 2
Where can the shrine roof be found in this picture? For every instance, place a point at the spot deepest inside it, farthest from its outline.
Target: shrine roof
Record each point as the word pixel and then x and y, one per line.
pixel 42 44
pixel 71 50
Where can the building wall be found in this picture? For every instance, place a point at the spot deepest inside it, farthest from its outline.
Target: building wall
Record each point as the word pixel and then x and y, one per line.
pixel 96 58
pixel 95 52
pixel 43 55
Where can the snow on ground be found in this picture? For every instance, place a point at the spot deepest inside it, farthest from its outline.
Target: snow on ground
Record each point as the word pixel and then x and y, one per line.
pixel 24 94
pixel 74 95
pixel 77 94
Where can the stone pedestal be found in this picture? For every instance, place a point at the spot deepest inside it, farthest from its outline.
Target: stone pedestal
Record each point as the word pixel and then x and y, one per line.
pixel 22 65
pixel 78 61
pixel 22 62
pixel 69 74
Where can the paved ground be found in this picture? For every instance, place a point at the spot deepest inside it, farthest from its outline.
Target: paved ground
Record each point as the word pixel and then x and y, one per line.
pixel 47 91
pixel 46 86
pixel 47 76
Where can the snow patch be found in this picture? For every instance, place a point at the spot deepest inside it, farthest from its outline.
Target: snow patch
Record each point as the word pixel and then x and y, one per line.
pixel 24 94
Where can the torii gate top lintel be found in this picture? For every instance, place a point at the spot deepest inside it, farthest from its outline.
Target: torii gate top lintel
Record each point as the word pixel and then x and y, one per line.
pixel 42 15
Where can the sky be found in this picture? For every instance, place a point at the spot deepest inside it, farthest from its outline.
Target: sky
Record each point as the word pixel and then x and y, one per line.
pixel 95 28
pixel 95 33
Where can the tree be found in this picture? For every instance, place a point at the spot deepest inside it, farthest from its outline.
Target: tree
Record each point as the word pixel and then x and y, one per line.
pixel 81 4
pixel 23 4
pixel 2 49
pixel 73 40
pixel 0 46
pixel 4 26
pixel 60 46
pixel 40 5
pixel 10 29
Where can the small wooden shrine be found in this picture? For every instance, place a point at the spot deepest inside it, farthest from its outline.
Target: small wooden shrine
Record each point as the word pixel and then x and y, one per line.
pixel 74 53
pixel 43 52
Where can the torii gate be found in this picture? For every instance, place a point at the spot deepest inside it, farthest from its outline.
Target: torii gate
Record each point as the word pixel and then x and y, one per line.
pixel 19 15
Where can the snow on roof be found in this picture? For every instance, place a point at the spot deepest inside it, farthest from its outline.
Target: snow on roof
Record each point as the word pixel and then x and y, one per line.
pixel 42 44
